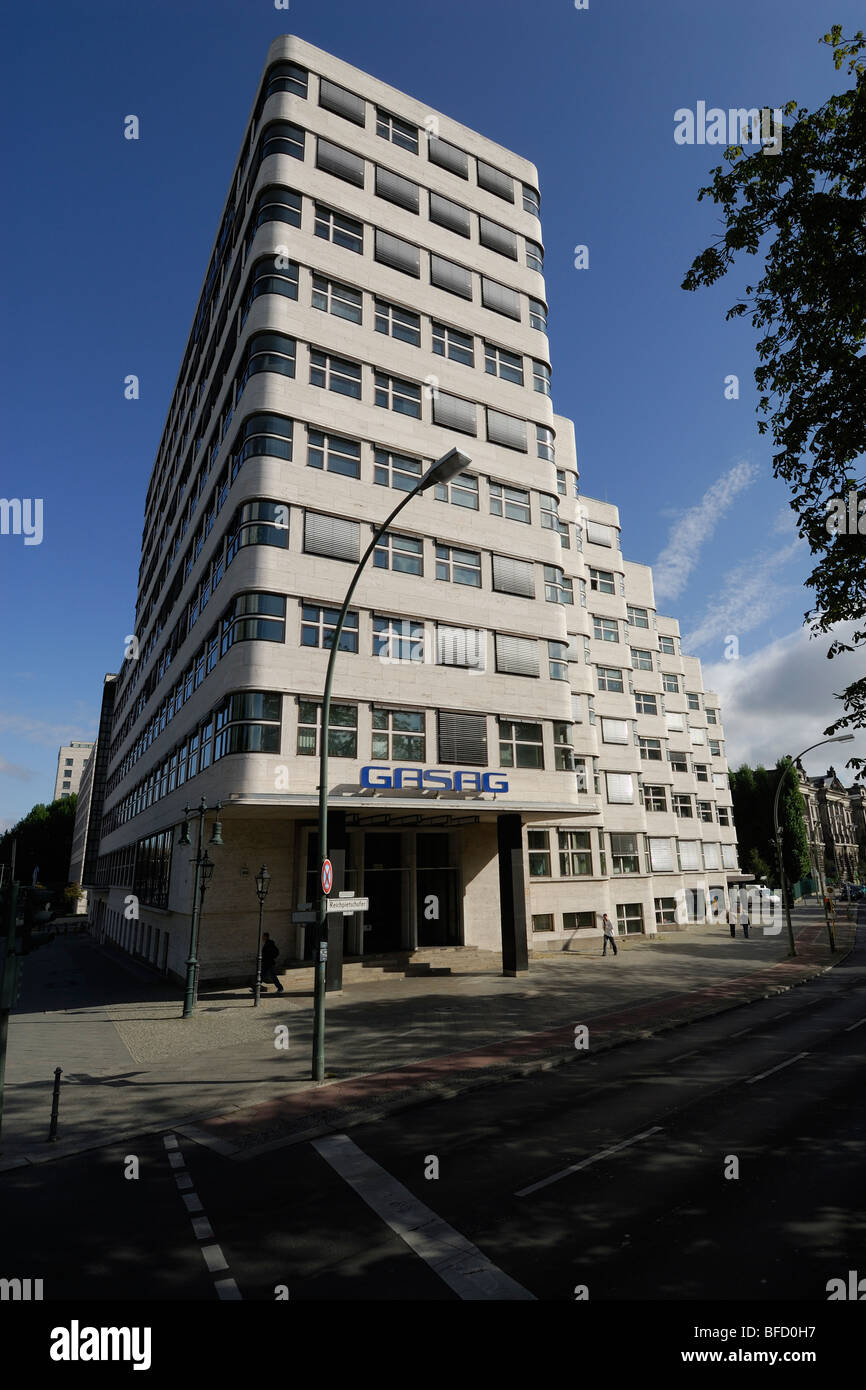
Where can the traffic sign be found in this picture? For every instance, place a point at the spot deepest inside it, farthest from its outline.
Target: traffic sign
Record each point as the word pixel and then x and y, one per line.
pixel 348 904
pixel 327 876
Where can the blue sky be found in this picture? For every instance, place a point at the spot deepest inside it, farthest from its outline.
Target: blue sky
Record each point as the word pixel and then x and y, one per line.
pixel 106 243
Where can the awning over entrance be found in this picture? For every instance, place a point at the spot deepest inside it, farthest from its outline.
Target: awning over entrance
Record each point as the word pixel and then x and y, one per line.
pixel 470 807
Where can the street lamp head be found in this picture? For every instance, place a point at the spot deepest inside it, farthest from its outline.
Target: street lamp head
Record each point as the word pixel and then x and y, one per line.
pixel 217 833
pixel 447 467
pixel 184 834
pixel 263 883
pixel 207 868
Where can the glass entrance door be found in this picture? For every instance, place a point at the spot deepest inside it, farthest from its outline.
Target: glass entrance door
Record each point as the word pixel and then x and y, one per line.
pixel 437 891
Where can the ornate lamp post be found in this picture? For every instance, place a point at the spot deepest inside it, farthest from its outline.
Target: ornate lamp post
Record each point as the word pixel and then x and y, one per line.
pixel 204 868
pixel 263 883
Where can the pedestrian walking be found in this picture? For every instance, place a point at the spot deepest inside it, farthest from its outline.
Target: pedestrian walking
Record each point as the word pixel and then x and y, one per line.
pixel 746 923
pixel 270 951
pixel 608 934
pixel 732 921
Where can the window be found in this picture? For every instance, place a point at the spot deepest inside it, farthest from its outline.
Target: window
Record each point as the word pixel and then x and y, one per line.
pixel 266 278
pixel 671 684
pixel 538 315
pixel 682 805
pixel 542 921
pixel 666 911
pixel 287 77
pixel 646 704
pixel 395 470
pixel 342 231
pixel 253 617
pixel 398 735
pixel 667 646
pixel 342 163
pixel 450 215
pixel 578 921
pixel 332 536
pixel 67 785
pixel 602 581
pixel 605 629
pixel 701 772
pixel 462 738
pixel 398 639
pixel 333 453
pixel 629 917
pixel 397 253
pixel 497 238
pixel 624 855
pixel 516 656
pixel 696 736
pixel 541 377
pixel 461 491
pixel 450 342
pixel 510 502
pixel 544 440
pixel 276 204
pixel 395 189
pixel 534 256
pixel 448 156
pixel 398 132
pixel 447 275
pixel 575 853
pixel 269 352
pixel 615 731
pixel 460 646
pixel 712 716
pixel 403 554
pixel 520 745
pixel 257 522
pixel 678 762
pixel 507 430
pixel 538 842
pixel 500 298
pixel 67 762
pixel 693 701
pixel 637 617
pixel 333 298
pixel 341 101
pixel 641 660
pixel 610 678
pixel 236 731
pixel 531 200
pixel 512 576
pixel 655 798
pixel 712 858
pixel 335 374
pixel 494 181
pixel 650 749
pixel 393 393
pixel 561 482
pixel 508 365
pixel 557 661
pixel 705 813
pixel 620 788
pixel 689 852
pixel 342 730
pixel 281 137
pixel 580 774
pixel 715 748
pixel 557 588
pixel 398 323
pixel 454 413
pixel 458 566
pixel 563 753
pixel 724 815
pixel 318 626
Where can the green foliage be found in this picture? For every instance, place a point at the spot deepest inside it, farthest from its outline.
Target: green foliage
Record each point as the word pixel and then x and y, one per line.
pixel 753 791
pixel 44 841
pixel 805 209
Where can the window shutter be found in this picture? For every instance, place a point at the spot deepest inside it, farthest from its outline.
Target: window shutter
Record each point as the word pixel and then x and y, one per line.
pixel 343 102
pixel 460 646
pixel 690 854
pixel 332 535
pixel 448 156
pixel 449 214
pixel 343 163
pixel 674 723
pixel 696 735
pixel 711 857
pixel 598 534
pixel 397 189
pixel 507 430
pixel 614 731
pixel 454 413
pixel 449 276
pixel 512 576
pixel 500 298
pixel 516 656
pixel 620 787
pixel 462 738
pixel 394 251
pixel 729 856
pixel 497 238
pixel 661 855
pixel 720 781
pixel 495 181
pixel 577 709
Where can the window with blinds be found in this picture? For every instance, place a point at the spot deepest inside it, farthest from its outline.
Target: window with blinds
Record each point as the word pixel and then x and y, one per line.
pixel 620 787
pixel 332 536
pixel 495 181
pixel 690 854
pixel 506 430
pixel 449 214
pixel 614 731
pixel 335 160
pixel 463 738
pixel 454 413
pixel 341 101
pixel 512 576
pixel 400 254
pixel 598 534
pixel 447 275
pixel 516 656
pixel 448 156
pixel 500 298
pixel 460 646
pixel 497 238
pixel 397 190
pixel 661 855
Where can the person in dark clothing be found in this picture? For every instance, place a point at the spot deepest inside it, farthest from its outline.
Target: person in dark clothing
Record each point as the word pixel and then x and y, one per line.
pixel 270 951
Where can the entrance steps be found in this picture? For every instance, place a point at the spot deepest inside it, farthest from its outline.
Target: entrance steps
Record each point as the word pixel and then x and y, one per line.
pixel 426 962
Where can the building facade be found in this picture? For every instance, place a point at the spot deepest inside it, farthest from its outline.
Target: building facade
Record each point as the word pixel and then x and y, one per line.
pixel 91 794
pixel 70 767
pixel 517 741
pixel 831 825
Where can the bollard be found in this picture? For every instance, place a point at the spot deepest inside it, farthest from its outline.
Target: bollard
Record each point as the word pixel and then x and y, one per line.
pixel 55 1106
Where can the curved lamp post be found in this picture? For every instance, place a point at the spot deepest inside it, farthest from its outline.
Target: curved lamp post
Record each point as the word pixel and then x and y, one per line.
pixel 840 738
pixel 263 883
pixel 447 467
pixel 204 868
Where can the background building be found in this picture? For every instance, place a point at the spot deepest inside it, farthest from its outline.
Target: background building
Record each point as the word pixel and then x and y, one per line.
pixel 91 794
pixel 70 767
pixel 518 743
pixel 830 821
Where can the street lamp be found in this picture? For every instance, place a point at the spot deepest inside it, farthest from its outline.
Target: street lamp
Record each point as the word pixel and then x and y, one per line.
pixel 447 467
pixel 263 883
pixel 840 738
pixel 204 867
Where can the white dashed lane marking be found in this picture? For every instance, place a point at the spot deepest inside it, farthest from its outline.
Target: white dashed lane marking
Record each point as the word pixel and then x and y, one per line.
pixel 587 1162
pixel 858 1024
pixel 790 1062
pixel 202 1230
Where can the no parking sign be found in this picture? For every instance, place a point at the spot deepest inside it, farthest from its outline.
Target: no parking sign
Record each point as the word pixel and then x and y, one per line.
pixel 327 876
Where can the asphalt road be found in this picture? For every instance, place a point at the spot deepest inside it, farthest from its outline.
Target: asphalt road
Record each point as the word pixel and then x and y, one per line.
pixel 608 1172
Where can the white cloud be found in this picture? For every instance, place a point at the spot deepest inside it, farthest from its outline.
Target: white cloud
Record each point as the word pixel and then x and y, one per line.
pixel 751 593
pixel 693 528
pixel 7 769
pixel 41 731
pixel 781 698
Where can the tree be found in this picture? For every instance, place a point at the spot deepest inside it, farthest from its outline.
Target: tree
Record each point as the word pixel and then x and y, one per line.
pixel 805 208
pixel 753 791
pixel 44 841
pixel 792 822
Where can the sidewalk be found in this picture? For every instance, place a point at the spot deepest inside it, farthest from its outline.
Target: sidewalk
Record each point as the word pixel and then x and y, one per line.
pixel 131 1064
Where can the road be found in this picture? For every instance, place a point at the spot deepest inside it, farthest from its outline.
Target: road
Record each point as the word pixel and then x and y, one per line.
pixel 608 1172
